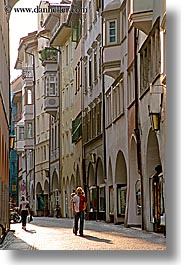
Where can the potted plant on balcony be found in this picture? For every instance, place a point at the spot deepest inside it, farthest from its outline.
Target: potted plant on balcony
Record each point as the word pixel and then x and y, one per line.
pixel 48 55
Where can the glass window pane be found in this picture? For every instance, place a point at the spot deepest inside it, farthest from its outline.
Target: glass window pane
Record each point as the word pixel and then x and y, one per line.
pixel 112 32
pixel 112 39
pixel 122 200
pixel 112 24
pixel 101 199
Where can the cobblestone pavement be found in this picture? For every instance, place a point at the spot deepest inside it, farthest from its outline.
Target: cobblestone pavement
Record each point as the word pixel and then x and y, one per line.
pixel 56 234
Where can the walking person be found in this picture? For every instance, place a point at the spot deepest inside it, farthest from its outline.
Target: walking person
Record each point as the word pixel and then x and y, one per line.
pixel 24 208
pixel 79 202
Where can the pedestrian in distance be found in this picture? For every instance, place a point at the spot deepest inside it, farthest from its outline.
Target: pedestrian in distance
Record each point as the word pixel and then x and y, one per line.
pixel 25 211
pixel 79 206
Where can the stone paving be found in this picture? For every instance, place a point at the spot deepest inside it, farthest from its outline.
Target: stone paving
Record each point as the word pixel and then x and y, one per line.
pixel 56 234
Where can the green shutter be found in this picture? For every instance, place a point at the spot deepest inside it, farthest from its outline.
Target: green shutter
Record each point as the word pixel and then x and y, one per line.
pixel 76 129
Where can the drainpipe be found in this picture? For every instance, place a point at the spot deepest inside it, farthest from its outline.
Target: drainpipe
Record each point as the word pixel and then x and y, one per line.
pixel 84 176
pixel 103 104
pixel 59 128
pixel 137 130
pixel 103 111
pixel 49 177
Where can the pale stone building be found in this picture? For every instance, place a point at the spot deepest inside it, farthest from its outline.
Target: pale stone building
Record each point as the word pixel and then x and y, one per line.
pixel 34 124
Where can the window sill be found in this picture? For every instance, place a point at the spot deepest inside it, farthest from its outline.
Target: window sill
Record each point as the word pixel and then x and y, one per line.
pixel 108 125
pixel 118 117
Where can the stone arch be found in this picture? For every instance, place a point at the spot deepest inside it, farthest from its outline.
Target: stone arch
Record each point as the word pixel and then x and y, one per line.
pixel 120 170
pixel 55 181
pixel 39 200
pixel 121 187
pixel 39 189
pixel 152 161
pixel 134 216
pixel 72 184
pixel 91 176
pixel 152 154
pixel 99 172
pixel 46 198
pixel 46 187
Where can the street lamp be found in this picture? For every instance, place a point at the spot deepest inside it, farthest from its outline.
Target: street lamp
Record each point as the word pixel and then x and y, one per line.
pixel 154 119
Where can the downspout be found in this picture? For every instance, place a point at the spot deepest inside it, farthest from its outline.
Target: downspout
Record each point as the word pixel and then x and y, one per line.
pixel 60 128
pixel 103 112
pixel 10 117
pixel 137 130
pixel 84 177
pixel 49 165
pixel 34 83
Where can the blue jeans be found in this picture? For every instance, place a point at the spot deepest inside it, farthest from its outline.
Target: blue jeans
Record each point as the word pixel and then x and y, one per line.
pixel 79 215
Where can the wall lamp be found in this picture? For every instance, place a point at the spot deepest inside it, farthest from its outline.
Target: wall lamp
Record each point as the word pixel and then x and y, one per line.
pixel 11 141
pixel 155 118
pixel 93 157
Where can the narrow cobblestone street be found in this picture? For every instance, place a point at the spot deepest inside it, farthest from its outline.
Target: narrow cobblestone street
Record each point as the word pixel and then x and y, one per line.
pixel 56 234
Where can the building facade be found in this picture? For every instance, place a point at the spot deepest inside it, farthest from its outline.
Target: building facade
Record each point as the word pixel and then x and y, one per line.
pixel 53 106
pixel 104 72
pixel 115 52
pixel 149 31
pixel 62 38
pixel 134 56
pixel 16 111
pixel 16 88
pixel 5 115
pixel 25 128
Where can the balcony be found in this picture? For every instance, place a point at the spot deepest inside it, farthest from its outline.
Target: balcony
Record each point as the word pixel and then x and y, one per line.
pixel 29 143
pixel 29 112
pixel 51 104
pixel 28 76
pixel 111 60
pixel 19 146
pixel 48 57
pixel 62 20
pixel 61 35
pixel 141 13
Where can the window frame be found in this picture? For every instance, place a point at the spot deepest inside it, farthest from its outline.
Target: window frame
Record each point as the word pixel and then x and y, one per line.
pixel 108 32
pixel 121 188
pixel 21 134
pixel 29 130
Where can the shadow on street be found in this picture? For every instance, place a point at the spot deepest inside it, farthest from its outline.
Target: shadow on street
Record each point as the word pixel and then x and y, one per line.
pixel 30 231
pixel 94 238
